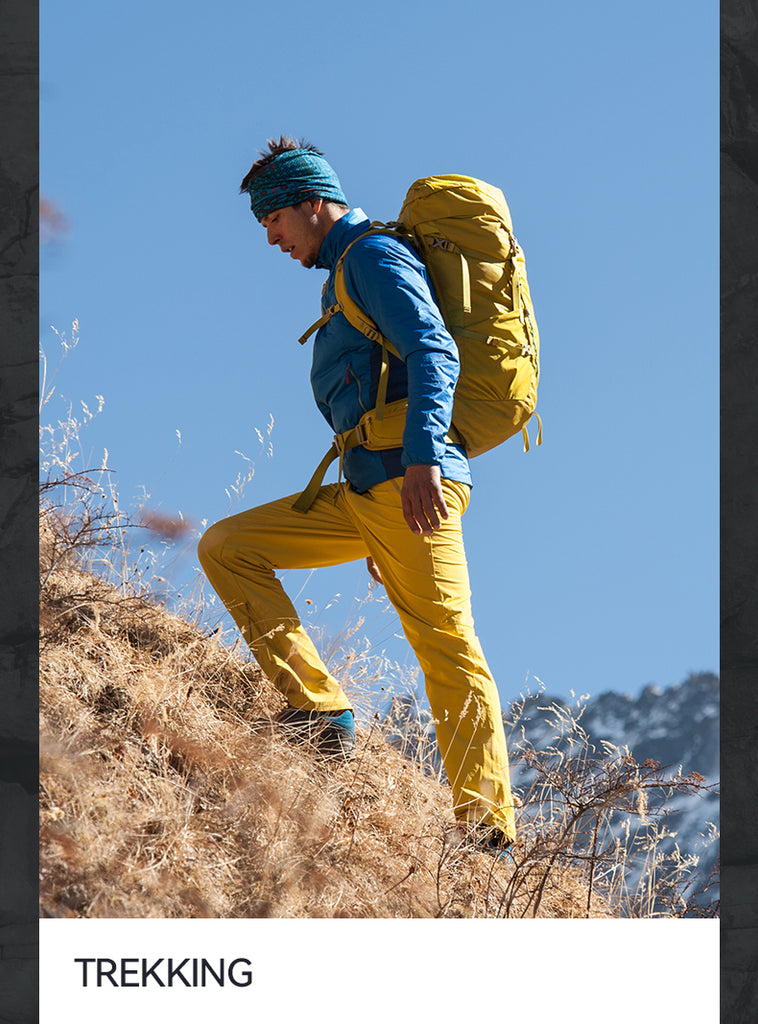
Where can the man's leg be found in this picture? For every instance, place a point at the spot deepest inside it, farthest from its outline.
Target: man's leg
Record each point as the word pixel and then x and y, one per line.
pixel 427 581
pixel 240 556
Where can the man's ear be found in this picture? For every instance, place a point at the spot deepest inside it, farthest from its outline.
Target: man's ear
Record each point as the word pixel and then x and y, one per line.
pixel 317 204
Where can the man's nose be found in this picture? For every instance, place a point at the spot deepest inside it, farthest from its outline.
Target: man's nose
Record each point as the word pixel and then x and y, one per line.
pixel 272 235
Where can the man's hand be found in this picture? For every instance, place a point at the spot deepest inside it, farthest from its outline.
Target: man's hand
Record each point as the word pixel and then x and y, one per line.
pixel 422 499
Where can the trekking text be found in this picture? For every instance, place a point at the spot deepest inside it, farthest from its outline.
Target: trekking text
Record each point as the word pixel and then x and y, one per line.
pixel 136 972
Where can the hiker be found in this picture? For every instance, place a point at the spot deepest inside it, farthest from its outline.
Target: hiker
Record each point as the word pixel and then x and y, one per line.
pixel 399 508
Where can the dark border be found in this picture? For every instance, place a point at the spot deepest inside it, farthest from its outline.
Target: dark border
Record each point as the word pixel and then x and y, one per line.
pixel 739 482
pixel 739 510
pixel 19 664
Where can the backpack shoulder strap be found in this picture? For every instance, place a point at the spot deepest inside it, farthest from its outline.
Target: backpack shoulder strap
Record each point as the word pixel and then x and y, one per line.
pixel 345 304
pixel 352 311
pixel 356 317
pixel 362 321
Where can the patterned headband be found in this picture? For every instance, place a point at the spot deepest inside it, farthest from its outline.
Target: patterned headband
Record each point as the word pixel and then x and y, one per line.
pixel 291 177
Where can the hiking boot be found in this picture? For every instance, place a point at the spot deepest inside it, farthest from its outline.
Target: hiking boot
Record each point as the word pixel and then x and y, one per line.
pixel 494 842
pixel 332 733
pixel 481 837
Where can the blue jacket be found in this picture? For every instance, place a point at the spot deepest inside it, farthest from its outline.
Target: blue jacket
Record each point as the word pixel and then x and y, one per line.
pixel 388 281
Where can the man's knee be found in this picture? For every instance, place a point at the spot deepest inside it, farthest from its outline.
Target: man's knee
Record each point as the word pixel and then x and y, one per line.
pixel 229 541
pixel 211 543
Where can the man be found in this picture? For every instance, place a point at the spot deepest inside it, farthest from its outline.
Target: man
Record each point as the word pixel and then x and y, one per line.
pixel 399 508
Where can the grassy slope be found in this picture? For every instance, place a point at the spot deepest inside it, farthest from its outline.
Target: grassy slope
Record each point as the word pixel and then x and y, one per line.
pixel 159 798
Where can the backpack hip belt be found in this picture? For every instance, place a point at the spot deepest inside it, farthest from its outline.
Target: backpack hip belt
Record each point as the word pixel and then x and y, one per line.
pixel 374 432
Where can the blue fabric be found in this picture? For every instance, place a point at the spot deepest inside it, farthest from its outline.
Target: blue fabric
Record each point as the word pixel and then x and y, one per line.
pixel 290 178
pixel 386 278
pixel 344 723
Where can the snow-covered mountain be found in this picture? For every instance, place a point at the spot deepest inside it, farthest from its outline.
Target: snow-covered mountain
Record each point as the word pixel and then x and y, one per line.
pixel 676 727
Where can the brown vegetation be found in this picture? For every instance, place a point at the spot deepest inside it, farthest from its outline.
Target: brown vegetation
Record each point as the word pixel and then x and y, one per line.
pixel 160 799
pixel 165 793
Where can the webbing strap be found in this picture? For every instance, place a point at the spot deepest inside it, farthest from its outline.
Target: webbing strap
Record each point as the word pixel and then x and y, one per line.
pixel 539 425
pixel 466 333
pixel 358 319
pixel 342 443
pixel 465 284
pixel 384 376
pixel 525 432
pixel 308 496
pixel 515 279
pixel 336 308
pixel 516 290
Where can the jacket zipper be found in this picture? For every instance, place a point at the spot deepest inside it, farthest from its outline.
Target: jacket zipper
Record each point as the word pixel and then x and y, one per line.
pixel 348 375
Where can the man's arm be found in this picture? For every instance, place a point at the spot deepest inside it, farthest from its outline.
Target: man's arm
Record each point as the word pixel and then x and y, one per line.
pixel 387 282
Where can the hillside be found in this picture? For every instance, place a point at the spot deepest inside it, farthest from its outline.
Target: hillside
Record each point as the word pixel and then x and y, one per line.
pixel 165 794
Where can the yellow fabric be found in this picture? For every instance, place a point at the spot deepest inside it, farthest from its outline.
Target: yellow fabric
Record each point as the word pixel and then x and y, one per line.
pixel 458 220
pixel 308 496
pixel 427 581
pixel 386 432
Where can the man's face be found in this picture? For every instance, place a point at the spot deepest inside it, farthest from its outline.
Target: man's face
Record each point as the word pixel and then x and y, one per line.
pixel 296 230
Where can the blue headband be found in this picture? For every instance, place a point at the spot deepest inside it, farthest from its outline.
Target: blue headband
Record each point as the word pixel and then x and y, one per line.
pixel 291 177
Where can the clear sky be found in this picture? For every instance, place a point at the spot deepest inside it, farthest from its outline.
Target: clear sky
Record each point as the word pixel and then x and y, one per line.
pixel 594 558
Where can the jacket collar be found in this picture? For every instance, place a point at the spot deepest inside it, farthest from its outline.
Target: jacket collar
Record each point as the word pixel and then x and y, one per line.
pixel 341 234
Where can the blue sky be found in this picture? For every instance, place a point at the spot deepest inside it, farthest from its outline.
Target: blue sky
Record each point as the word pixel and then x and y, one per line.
pixel 594 558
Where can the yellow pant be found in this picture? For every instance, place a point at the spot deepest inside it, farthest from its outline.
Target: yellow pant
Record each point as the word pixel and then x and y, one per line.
pixel 426 579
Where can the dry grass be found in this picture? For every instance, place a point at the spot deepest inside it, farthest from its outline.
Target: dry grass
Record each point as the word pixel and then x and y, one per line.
pixel 165 794
pixel 160 797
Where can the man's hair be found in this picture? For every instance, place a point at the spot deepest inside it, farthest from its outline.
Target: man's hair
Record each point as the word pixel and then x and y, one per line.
pixel 275 148
pixel 284 144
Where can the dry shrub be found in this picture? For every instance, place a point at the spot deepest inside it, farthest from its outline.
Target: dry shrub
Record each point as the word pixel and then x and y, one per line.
pixel 593 835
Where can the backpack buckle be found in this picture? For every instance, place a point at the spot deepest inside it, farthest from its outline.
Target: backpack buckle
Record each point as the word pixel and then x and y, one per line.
pixel 443 243
pixel 361 432
pixel 351 438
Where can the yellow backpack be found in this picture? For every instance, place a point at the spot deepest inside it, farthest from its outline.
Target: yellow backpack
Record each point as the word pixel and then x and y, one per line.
pixel 462 230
